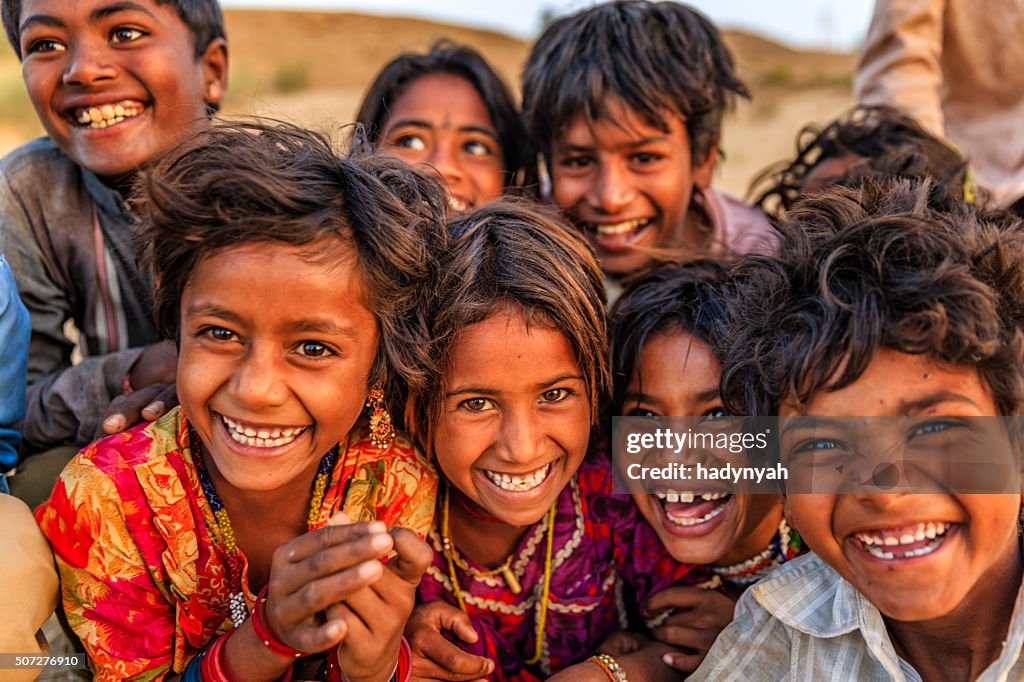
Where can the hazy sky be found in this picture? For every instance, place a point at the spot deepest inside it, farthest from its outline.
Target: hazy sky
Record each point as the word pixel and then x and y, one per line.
pixel 806 23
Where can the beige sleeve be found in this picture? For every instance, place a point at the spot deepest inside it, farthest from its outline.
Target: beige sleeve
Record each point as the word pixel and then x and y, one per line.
pixel 900 64
pixel 30 583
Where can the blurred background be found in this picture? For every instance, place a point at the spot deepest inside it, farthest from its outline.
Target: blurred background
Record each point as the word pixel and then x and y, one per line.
pixel 311 61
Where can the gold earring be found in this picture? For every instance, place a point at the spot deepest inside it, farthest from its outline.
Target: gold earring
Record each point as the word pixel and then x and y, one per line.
pixel 382 432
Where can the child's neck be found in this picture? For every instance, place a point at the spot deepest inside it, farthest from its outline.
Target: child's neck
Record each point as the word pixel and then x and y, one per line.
pixel 961 644
pixel 488 543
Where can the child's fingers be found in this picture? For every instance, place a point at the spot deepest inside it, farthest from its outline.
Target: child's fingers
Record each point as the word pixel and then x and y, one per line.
pixel 164 401
pixel 441 659
pixel 320 638
pixel 678 598
pixel 127 410
pixel 360 541
pixel 412 556
pixel 684 636
pixel 316 595
pixel 686 663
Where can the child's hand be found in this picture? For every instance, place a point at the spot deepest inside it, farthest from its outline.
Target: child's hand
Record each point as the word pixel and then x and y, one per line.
pixel 376 615
pixel 146 404
pixel 158 364
pixel 434 657
pixel 318 569
pixel 699 616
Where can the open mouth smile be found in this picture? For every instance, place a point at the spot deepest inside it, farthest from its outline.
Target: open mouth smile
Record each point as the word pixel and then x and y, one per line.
pixel 907 542
pixel 617 236
pixel 519 483
pixel 107 115
pixel 685 508
pixel 262 436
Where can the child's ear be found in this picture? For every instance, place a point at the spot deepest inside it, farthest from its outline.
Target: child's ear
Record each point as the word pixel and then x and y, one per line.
pixel 705 169
pixel 215 71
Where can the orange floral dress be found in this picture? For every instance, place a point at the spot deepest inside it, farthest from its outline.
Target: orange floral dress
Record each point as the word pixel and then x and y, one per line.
pixel 142 565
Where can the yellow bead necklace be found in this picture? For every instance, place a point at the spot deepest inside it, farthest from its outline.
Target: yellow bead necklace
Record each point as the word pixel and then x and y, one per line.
pixel 448 547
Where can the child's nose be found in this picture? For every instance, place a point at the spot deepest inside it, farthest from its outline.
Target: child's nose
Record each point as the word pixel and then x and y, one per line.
pixel 612 190
pixel 87 63
pixel 520 439
pixel 446 162
pixel 259 380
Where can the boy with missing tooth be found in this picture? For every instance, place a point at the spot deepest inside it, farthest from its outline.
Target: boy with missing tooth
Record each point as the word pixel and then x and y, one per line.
pixel 881 307
pixel 114 85
pixel 625 100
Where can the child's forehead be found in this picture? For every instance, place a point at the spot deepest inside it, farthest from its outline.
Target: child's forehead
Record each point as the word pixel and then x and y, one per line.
pixel 612 114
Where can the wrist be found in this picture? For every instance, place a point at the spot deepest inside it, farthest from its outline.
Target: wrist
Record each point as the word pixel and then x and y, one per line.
pixel 612 670
pixel 401 672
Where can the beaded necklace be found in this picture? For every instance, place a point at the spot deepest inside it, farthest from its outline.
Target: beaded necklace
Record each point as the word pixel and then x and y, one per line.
pixel 784 545
pixel 237 608
pixel 450 555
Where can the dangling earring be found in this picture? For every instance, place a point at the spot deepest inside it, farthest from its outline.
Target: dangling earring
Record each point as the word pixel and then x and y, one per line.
pixel 382 432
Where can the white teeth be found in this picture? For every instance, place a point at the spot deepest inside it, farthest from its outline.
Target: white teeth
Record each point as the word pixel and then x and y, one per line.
pixel 107 115
pixel 264 438
pixel 613 229
pixel 687 496
pixel 519 484
pixel 458 205
pixel 874 542
pixel 683 521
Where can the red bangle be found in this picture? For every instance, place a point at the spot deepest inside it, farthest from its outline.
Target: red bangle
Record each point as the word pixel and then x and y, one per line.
pixel 263 631
pixel 210 668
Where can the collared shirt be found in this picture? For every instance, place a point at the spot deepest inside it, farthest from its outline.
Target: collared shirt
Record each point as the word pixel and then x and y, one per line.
pixel 69 241
pixel 805 622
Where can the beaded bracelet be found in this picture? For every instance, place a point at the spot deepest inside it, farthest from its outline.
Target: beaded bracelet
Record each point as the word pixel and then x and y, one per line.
pixel 610 667
pixel 263 631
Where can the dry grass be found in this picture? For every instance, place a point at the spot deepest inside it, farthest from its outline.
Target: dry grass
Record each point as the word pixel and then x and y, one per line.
pixel 312 67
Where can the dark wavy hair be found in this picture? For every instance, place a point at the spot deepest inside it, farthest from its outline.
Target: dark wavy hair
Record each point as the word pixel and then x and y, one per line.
pixel 869 268
pixel 881 143
pixel 688 297
pixel 519 256
pixel 446 57
pixel 203 18
pixel 656 57
pixel 239 183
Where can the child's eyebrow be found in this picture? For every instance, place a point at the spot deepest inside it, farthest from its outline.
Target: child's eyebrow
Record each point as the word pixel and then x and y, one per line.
pixel 479 129
pixel 477 390
pixel 932 399
pixel 810 422
pixel 558 380
pixel 413 122
pixel 42 19
pixel 106 10
pixel 323 326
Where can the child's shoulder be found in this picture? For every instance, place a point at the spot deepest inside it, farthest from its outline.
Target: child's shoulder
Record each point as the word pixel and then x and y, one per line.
pixel 133 455
pixel 737 225
pixel 40 154
pixel 807 580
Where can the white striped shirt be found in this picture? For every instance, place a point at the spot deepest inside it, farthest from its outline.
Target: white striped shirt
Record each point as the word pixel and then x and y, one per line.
pixel 805 622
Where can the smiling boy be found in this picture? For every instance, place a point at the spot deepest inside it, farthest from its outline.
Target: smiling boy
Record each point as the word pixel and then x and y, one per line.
pixel 625 100
pixel 115 84
pixel 884 324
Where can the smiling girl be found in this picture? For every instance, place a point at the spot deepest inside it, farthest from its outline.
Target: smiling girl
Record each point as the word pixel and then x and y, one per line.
pixel 448 109
pixel 529 543
pixel 666 329
pixel 287 278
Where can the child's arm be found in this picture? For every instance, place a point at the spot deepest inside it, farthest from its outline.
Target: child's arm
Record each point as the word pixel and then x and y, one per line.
pixel 434 657
pixel 375 616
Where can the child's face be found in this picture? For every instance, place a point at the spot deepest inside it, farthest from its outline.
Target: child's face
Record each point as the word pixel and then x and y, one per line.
pixel 677 376
pixel 515 417
pixel 275 355
pixel 127 69
pixel 978 535
pixel 441 121
pixel 627 184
